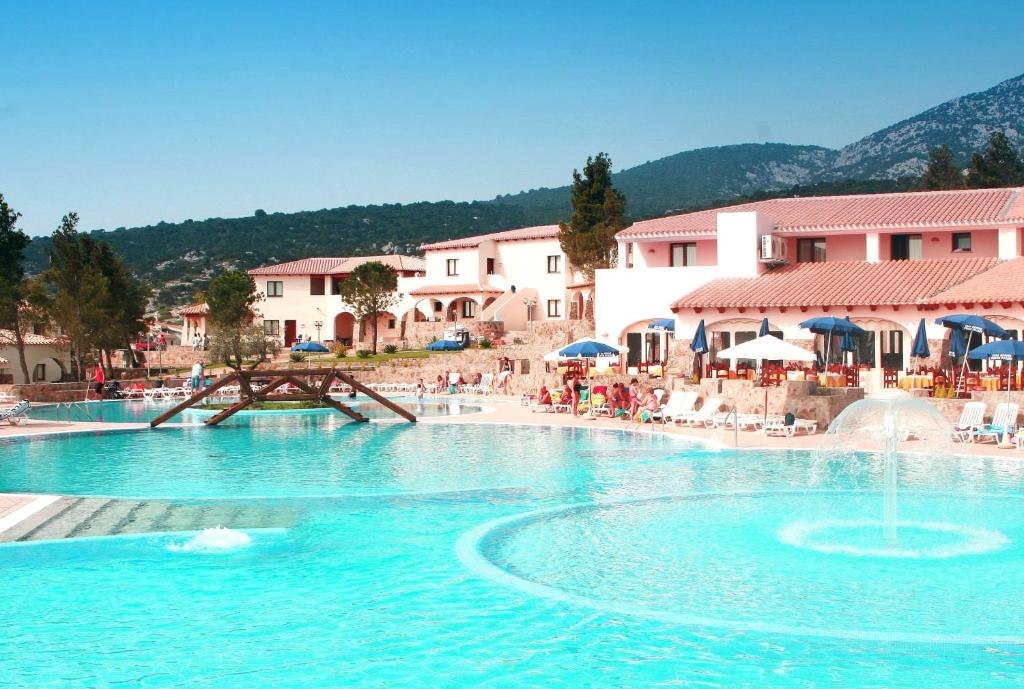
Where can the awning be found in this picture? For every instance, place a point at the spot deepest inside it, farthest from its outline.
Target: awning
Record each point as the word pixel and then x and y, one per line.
pixel 438 290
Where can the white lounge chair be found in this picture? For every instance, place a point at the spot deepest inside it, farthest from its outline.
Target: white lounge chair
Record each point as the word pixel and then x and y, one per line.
pixel 778 426
pixel 702 415
pixel 679 402
pixel 1003 420
pixel 971 416
pixel 16 415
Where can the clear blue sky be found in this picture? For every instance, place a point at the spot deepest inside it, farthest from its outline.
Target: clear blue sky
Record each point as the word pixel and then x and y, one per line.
pixel 135 112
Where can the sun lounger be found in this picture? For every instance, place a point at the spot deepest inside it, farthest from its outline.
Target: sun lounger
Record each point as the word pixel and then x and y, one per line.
pixel 971 416
pixel 679 402
pixel 16 415
pixel 779 427
pixel 1003 420
pixel 697 418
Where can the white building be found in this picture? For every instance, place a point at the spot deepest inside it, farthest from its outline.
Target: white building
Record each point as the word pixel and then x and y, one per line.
pixel 46 359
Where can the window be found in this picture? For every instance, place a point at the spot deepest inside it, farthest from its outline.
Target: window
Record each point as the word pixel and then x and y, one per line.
pixel 553 264
pixel 683 254
pixel 317 283
pixel 39 372
pixel 275 288
pixel 437 306
pixel 391 324
pixel 810 250
pixel 906 247
pixel 490 266
pixel 336 285
pixel 453 266
pixel 468 309
pixel 961 242
pixel 272 328
pixel 554 308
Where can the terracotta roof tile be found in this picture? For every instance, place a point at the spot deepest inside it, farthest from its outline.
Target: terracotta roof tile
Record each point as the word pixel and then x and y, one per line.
pixel 539 232
pixel 1004 282
pixel 859 212
pixel 193 310
pixel 838 283
pixel 7 338
pixel 323 265
pixel 431 290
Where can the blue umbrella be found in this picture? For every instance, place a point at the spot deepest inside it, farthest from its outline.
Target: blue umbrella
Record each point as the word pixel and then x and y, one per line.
pixel 972 324
pixel 309 347
pixel 847 343
pixel 957 344
pixel 764 327
pixel 829 325
pixel 1005 350
pixel 587 349
pixel 666 324
pixel 920 346
pixel 444 346
pixel 700 340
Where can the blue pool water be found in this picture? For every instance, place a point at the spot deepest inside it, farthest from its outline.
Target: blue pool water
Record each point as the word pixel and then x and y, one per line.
pixel 140 411
pixel 482 555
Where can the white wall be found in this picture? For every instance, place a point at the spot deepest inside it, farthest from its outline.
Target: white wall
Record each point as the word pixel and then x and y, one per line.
pixel 525 265
pixel 34 354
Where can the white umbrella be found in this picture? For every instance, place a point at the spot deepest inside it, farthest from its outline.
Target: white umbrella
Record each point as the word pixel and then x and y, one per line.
pixel 767 347
pixel 770 348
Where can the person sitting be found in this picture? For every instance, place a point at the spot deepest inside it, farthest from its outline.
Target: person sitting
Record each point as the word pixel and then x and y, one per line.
pixel 477 378
pixel 566 397
pixel 544 396
pixel 635 395
pixel 648 403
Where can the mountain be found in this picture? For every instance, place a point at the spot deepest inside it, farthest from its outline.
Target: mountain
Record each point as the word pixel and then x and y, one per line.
pixel 180 258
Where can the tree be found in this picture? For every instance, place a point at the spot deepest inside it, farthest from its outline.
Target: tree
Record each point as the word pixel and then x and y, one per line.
pixel 125 303
pixel 588 239
pixel 77 291
pixel 12 278
pixel 370 290
pixel 230 298
pixel 998 166
pixel 250 343
pixel 942 172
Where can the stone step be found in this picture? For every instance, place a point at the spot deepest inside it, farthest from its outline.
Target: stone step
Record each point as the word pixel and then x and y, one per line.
pixel 21 530
pixel 144 518
pixel 103 521
pixel 184 518
pixel 62 525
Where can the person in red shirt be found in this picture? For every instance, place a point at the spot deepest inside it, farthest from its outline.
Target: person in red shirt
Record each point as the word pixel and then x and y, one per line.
pixel 99 378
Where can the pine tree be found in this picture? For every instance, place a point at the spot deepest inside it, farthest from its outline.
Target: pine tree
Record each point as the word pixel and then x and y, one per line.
pixel 230 298
pixel 998 166
pixel 942 172
pixel 370 292
pixel 588 239
pixel 12 278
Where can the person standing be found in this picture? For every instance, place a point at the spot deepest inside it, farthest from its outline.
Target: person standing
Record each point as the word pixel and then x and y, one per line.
pixel 99 378
pixel 197 377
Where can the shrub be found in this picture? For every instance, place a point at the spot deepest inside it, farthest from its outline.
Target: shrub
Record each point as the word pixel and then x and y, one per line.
pixel 297 356
pixel 433 339
pixel 339 349
pixel 390 349
pixel 486 344
pixel 363 353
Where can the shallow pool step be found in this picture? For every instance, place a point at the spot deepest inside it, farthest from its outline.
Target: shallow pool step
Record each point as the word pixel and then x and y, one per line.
pixel 58 520
pixel 143 518
pixel 103 521
pixel 24 528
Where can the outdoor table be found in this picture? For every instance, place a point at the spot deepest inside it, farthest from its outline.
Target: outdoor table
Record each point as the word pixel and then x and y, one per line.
pixel 795 375
pixel 914 381
pixel 990 382
pixel 835 380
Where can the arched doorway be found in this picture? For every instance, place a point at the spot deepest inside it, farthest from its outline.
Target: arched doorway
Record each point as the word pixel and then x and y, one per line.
pixel 344 328
pixel 463 308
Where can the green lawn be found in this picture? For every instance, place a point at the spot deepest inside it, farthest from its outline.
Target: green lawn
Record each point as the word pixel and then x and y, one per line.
pixel 380 356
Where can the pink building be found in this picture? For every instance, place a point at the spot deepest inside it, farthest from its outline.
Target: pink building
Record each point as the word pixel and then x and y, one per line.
pixel 885 260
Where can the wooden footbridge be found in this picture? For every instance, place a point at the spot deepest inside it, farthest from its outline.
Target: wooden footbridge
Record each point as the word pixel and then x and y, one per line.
pixel 314 384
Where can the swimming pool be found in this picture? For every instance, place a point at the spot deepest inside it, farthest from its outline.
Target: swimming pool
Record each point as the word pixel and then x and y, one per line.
pixel 141 411
pixel 445 555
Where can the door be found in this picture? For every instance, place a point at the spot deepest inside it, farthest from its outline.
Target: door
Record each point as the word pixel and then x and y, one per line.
pixel 892 349
pixel 289 333
pixel 635 342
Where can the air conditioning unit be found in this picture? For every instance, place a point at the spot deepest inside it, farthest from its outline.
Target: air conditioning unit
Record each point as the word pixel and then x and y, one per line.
pixel 773 249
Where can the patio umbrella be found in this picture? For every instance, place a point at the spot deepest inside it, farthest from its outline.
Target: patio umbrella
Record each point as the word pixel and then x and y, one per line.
pixel 587 349
pixel 830 325
pixel 666 324
pixel 699 344
pixel 444 346
pixel 309 347
pixel 558 354
pixel 920 347
pixel 1009 351
pixel 770 348
pixel 971 324
pixel 764 327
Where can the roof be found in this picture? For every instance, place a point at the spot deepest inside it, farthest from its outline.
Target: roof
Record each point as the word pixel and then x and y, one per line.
pixel 7 337
pixel 921 209
pixel 838 283
pixel 453 289
pixel 193 310
pixel 1003 283
pixel 324 265
pixel 538 232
